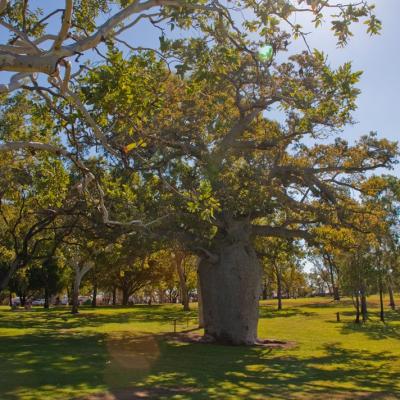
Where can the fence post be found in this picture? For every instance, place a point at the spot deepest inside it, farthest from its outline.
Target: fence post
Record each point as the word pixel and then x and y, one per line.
pixel 337 317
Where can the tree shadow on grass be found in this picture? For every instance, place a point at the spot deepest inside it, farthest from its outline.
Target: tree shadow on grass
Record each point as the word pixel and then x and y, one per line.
pixel 219 372
pixel 53 363
pixel 62 319
pixel 329 304
pixel 120 365
pixel 269 312
pixel 373 329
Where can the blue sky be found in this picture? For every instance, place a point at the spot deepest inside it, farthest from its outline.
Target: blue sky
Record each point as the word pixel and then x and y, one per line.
pixel 378 57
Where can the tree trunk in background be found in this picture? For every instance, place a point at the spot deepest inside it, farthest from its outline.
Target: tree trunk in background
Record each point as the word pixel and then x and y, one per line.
pixel 94 295
pixel 114 296
pixel 70 290
pixel 392 303
pixel 265 290
pixel 125 297
pixel 10 299
pixel 279 286
pixel 46 298
pixel 22 300
pixel 364 309
pixel 179 257
pixel 15 265
pixel 75 294
pixel 199 299
pixel 357 320
pixel 79 274
pixel 231 286
pixel 336 294
pixel 382 312
pixel 335 289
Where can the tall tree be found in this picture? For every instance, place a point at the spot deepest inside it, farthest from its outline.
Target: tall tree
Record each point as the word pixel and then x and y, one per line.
pixel 231 169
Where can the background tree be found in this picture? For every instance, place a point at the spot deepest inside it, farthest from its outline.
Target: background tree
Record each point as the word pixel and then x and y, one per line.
pixel 231 170
pixel 47 278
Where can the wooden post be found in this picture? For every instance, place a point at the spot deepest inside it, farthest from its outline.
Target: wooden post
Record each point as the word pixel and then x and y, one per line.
pixel 337 317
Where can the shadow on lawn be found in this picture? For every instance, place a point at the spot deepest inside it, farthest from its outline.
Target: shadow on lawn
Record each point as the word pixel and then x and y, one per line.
pixel 269 312
pixel 45 320
pixel 147 365
pixel 328 304
pixel 373 329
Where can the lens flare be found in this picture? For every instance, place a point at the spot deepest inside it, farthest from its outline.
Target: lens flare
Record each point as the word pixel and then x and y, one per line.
pixel 265 53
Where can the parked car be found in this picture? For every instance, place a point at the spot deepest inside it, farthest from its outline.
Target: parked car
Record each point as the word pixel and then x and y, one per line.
pixel 38 302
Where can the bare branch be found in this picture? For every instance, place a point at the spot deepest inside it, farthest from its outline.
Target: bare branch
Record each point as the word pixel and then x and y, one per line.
pixel 66 25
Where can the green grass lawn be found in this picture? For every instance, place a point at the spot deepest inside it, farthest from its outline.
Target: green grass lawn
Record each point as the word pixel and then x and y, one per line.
pixel 121 354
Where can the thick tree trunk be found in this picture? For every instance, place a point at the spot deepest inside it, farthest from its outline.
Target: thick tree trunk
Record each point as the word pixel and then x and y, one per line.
pixel 231 288
pixel 179 257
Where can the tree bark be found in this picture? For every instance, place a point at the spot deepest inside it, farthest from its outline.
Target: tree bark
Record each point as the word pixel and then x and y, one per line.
pixel 231 288
pixel 357 320
pixel 79 274
pixel 199 300
pixel 364 309
pixel 334 284
pixel 15 265
pixel 46 298
pixel 279 286
pixel 114 296
pixel 75 294
pixel 265 290
pixel 392 302
pixel 22 300
pixel 94 296
pixel 382 311
pixel 179 257
pixel 125 297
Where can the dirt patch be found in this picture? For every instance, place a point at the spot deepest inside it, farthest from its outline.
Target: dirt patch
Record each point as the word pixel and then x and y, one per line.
pixel 139 393
pixel 193 337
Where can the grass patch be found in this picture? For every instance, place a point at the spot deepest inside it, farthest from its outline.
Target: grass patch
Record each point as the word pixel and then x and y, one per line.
pixel 121 353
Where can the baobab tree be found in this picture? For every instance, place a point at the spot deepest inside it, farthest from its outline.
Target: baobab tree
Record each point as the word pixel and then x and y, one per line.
pixel 232 169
